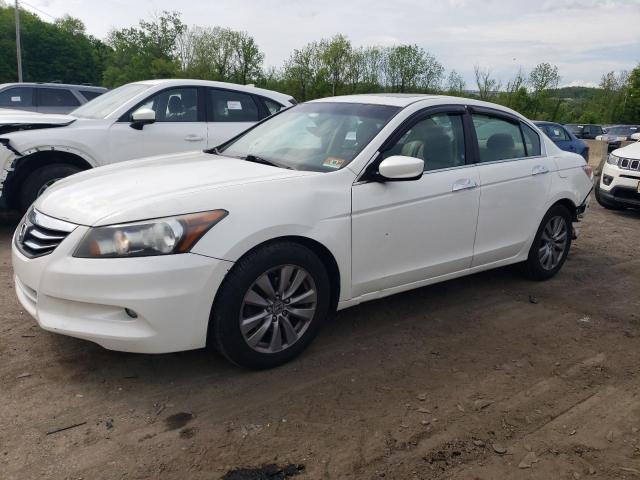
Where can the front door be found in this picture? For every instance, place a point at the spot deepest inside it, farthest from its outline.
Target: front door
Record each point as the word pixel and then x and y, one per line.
pixel 409 231
pixel 229 113
pixel 179 127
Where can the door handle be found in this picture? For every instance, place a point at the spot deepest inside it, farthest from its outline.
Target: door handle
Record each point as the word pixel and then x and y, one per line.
pixel 193 138
pixel 463 184
pixel 539 170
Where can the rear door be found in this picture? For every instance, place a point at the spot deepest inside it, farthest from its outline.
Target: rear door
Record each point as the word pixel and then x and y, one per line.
pixel 229 113
pixel 179 127
pixel 515 181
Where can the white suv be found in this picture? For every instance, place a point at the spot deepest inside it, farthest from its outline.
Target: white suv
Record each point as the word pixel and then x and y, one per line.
pixel 619 185
pixel 325 205
pixel 136 120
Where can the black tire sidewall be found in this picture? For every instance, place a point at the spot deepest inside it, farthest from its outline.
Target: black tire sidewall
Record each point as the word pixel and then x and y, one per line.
pixel 534 267
pixel 40 176
pixel 224 325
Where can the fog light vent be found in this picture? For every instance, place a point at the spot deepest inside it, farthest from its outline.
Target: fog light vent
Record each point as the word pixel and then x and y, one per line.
pixel 131 313
pixel 607 179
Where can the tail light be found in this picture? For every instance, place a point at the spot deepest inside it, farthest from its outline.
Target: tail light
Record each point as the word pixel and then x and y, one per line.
pixel 588 171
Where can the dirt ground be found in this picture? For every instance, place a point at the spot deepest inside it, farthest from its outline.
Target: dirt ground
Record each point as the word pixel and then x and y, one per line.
pixel 486 377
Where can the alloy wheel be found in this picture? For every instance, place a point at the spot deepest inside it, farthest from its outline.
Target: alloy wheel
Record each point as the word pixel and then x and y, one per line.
pixel 553 242
pixel 278 308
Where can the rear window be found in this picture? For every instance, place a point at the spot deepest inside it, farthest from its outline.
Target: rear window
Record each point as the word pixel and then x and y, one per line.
pixel 230 106
pixel 17 97
pixel 56 97
pixel 90 94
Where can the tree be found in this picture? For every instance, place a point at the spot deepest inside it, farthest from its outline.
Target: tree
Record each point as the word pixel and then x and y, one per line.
pixel 146 51
pixel 631 102
pixel 404 67
pixel 543 77
pixel 487 85
pixel 335 55
pixel 455 83
pixel 248 59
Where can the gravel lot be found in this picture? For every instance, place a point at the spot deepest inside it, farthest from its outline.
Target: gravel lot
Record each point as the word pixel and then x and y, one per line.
pixel 486 377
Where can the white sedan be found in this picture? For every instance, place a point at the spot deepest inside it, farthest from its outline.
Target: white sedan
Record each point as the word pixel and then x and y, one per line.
pixel 325 205
pixel 136 120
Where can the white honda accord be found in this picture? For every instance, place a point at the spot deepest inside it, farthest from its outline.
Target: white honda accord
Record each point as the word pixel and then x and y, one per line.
pixel 251 245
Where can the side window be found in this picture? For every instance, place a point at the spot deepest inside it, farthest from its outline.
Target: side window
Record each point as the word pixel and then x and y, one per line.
pixel 230 106
pixel 174 105
pixel 438 140
pixel 555 133
pixel 17 97
pixel 498 139
pixel 56 97
pixel 271 106
pixel 90 94
pixel 531 140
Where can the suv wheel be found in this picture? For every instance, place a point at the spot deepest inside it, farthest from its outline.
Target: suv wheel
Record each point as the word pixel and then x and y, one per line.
pixel 41 179
pixel 270 306
pixel 551 244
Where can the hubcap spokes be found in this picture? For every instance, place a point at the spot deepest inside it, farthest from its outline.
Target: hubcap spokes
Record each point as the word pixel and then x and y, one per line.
pixel 553 243
pixel 278 308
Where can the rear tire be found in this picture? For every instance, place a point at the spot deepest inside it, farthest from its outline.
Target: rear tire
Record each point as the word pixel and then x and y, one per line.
pixel 551 244
pixel 42 178
pixel 259 321
pixel 605 203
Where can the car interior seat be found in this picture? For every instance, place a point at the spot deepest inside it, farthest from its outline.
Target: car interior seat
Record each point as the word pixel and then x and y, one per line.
pixel 499 146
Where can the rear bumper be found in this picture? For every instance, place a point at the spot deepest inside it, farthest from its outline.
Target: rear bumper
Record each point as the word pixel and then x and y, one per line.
pixel 86 298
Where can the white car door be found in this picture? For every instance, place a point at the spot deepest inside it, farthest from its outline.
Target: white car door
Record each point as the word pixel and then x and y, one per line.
pixel 229 113
pixel 179 127
pixel 408 231
pixel 515 181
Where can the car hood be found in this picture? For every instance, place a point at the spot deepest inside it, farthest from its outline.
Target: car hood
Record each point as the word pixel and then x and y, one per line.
pixel 14 120
pixel 153 187
pixel 630 151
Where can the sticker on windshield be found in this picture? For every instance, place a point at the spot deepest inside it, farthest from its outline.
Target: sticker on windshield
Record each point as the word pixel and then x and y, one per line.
pixel 333 162
pixel 16 99
pixel 234 105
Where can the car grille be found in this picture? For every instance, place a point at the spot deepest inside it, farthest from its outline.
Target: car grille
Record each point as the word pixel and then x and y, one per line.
pixel 39 234
pixel 629 164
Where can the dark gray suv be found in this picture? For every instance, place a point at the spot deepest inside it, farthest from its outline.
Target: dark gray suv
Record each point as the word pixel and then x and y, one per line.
pixel 46 97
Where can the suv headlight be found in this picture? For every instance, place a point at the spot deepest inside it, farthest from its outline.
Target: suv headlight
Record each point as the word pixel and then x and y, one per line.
pixel 162 236
pixel 613 160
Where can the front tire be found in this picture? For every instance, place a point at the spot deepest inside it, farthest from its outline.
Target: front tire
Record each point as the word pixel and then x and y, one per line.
pixel 42 178
pixel 551 244
pixel 270 306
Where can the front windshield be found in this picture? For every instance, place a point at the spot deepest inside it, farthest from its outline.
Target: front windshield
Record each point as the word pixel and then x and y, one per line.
pixel 321 137
pixel 108 102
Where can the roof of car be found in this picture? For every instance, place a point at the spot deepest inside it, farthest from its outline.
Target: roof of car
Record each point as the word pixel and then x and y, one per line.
pixel 545 122
pixel 53 84
pixel 210 83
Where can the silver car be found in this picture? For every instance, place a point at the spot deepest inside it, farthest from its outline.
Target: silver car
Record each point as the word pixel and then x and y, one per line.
pixel 46 97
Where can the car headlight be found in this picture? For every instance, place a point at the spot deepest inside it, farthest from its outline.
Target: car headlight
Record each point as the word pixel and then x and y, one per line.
pixel 613 160
pixel 162 236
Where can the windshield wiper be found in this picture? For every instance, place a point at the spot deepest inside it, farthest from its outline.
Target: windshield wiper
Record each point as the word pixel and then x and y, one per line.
pixel 264 161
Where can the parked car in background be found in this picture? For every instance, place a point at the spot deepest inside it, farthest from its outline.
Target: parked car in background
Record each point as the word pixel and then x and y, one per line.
pixel 617 134
pixel 564 138
pixel 619 185
pixel 328 204
pixel 585 131
pixel 136 120
pixel 46 97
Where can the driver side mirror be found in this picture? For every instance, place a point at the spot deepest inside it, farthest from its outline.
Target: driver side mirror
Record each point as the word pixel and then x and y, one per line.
pixel 399 167
pixel 142 117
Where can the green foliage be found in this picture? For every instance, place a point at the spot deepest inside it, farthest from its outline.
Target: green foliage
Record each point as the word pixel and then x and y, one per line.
pixel 61 51
pixel 164 47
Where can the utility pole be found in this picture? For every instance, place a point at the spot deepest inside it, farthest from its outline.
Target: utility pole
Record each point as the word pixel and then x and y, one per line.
pixel 18 47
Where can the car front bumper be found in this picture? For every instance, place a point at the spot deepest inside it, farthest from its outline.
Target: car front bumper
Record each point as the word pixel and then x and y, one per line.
pixel 622 185
pixel 171 296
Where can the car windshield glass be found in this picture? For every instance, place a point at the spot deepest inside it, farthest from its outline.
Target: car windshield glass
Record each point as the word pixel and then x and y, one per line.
pixel 108 102
pixel 320 137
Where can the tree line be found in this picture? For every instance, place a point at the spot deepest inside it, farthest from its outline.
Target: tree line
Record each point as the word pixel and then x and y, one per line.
pixel 164 47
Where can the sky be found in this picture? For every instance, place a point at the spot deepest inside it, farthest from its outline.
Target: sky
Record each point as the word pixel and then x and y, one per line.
pixel 584 38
